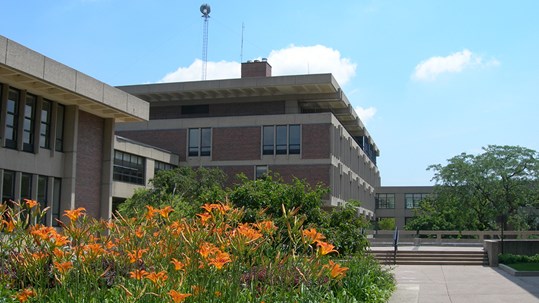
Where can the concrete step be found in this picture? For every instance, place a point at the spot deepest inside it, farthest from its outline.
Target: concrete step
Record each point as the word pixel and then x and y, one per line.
pixel 431 257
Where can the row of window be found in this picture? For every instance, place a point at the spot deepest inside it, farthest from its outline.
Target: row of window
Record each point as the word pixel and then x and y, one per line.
pixel 8 191
pixel 132 168
pixel 35 114
pixel 410 200
pixel 276 140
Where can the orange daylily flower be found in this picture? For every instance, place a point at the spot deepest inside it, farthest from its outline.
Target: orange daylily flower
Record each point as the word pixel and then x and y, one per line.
pixel 266 226
pixel 31 203
pixel 336 270
pixel 206 249
pixel 10 225
pixel 176 228
pixel 43 232
pixel 178 265
pixel 74 214
pixel 136 255
pixel 139 232
pixel 58 253
pixel 138 274
pixel 248 232
pixel 63 267
pixel 25 294
pixel 220 260
pixel 326 248
pixel 204 217
pixel 166 211
pixel 177 296
pixel 151 212
pixel 312 235
pixel 38 255
pixel 157 277
pixel 60 240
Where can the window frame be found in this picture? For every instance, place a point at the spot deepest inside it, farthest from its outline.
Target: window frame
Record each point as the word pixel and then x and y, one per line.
pixel 11 138
pixel 29 117
pixel 199 142
pixel 45 127
pixel 382 201
pixel 129 171
pixel 277 139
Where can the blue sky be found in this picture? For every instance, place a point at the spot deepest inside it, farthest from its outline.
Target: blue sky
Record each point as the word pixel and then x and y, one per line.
pixel 431 79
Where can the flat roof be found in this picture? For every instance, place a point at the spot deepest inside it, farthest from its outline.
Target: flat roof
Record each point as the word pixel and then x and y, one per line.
pixel 29 70
pixel 314 93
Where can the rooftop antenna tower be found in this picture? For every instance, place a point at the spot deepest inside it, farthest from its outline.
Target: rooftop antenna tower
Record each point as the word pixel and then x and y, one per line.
pixel 205 10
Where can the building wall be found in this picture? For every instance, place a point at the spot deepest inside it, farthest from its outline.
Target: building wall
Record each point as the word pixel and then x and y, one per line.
pixel 236 143
pixel 400 212
pixel 173 140
pixel 89 157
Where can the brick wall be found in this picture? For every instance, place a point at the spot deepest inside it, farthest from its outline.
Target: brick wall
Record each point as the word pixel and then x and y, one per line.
pixel 239 143
pixel 232 171
pixel 174 140
pixel 316 141
pixel 313 174
pixel 89 163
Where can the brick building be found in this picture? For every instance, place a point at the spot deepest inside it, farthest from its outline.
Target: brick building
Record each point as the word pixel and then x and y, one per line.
pixel 302 126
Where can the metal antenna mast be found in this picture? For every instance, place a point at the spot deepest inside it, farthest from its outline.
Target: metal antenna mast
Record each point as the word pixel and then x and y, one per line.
pixel 205 10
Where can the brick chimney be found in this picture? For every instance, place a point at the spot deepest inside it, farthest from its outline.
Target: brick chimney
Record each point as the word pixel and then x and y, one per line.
pixel 256 68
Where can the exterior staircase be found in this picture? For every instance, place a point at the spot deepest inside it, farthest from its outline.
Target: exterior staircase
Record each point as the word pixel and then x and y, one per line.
pixel 423 257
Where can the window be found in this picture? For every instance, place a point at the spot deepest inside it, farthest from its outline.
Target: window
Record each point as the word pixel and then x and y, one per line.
pixel 56 198
pixel 281 140
pixel 12 118
pixel 385 200
pixel 412 200
pixel 26 186
pixel 28 125
pixel 8 186
pixel 128 168
pixel 45 129
pixel 261 171
pixel 60 112
pixel 159 166
pixel 42 182
pixel 199 142
pixel 195 109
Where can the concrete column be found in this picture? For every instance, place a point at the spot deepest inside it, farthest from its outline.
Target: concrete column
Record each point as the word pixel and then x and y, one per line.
pixel 105 206
pixel 3 113
pixel 71 122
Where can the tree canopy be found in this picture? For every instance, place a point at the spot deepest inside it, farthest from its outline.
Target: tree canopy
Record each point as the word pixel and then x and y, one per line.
pixel 484 191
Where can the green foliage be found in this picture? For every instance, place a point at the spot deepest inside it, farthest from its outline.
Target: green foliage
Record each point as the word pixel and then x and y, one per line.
pixel 511 259
pixel 345 229
pixel 184 189
pixel 387 224
pixel 483 192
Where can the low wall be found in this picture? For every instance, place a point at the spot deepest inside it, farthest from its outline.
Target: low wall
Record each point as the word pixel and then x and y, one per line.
pixel 527 247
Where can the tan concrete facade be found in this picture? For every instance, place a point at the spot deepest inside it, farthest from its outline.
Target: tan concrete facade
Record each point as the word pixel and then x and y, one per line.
pixel 56 132
pixel 405 200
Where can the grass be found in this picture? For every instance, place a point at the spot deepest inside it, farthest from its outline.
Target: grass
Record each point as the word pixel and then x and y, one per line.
pixel 525 266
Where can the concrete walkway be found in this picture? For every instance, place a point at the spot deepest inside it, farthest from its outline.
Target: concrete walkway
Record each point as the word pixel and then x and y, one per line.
pixel 458 284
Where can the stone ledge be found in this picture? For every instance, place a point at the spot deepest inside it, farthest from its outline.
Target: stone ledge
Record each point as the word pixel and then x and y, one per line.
pixel 518 273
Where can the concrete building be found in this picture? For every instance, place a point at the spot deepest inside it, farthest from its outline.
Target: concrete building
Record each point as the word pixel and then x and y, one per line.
pixel 57 132
pixel 399 202
pixel 302 126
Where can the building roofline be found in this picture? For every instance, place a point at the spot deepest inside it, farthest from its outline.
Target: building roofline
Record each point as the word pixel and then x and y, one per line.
pixel 314 93
pixel 41 75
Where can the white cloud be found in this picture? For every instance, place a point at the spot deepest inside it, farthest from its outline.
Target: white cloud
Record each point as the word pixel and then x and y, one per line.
pixel 215 70
pixel 431 68
pixel 365 114
pixel 292 60
pixel 295 60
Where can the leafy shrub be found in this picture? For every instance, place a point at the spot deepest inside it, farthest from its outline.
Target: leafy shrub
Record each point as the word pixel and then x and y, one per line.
pixel 512 259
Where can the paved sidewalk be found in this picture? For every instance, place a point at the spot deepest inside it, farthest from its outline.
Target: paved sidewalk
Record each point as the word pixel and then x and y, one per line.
pixel 459 284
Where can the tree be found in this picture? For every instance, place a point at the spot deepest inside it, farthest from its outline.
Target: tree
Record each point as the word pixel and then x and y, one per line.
pixel 483 191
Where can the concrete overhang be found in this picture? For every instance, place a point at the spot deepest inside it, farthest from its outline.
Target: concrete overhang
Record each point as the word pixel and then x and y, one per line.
pixel 314 93
pixel 26 69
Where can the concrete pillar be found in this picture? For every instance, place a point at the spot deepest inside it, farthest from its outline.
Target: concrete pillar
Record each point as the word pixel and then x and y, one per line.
pixel 105 206
pixel 71 122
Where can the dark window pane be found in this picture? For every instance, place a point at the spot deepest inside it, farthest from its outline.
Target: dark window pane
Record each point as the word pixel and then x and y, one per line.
pixel 44 131
pixel 280 139
pixel 194 139
pixel 294 145
pixel 60 128
pixel 205 142
pixel 12 117
pixel 8 186
pixel 128 168
pixel 268 140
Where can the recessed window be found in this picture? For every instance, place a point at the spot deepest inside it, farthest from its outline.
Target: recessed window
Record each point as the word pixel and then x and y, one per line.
pixel 413 200
pixel 12 118
pixel 281 140
pixel 60 112
pixel 199 142
pixel 129 168
pixel 8 186
pixel 385 201
pixel 195 109
pixel 28 125
pixel 45 129
pixel 261 171
pixel 56 198
pixel 159 166
pixel 26 186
